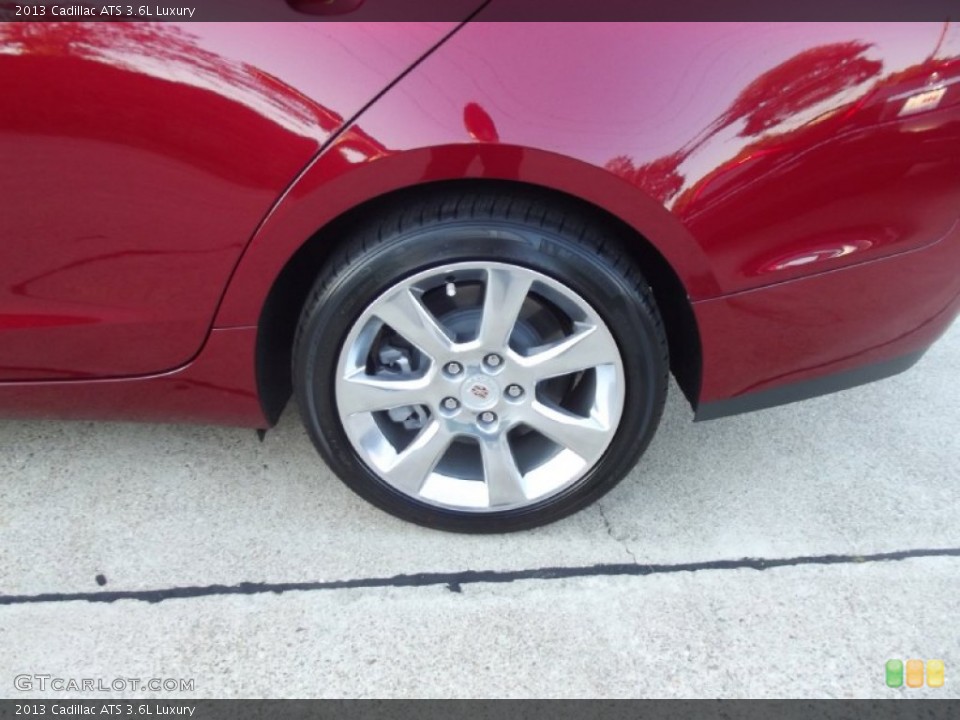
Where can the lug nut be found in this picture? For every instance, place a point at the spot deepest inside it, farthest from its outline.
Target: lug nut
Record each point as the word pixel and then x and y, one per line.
pixel 453 368
pixel 487 418
pixel 492 360
pixel 514 391
pixel 450 403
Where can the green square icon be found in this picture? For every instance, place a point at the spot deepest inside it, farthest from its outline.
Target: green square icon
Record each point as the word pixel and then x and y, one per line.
pixel 894 673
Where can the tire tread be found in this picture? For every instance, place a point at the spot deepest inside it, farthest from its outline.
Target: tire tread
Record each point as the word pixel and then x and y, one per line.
pixel 448 205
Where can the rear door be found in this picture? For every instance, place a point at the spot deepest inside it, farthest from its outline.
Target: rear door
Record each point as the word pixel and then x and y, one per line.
pixel 136 161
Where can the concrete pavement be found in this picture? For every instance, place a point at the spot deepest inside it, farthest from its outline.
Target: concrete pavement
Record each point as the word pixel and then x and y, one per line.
pixel 869 471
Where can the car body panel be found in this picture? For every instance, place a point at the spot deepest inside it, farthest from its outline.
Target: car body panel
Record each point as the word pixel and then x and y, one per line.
pixel 895 177
pixel 788 174
pixel 217 387
pixel 829 323
pixel 664 110
pixel 139 159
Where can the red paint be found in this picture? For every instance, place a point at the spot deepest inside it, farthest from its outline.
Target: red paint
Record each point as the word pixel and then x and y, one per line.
pixel 157 178
pixel 829 322
pixel 138 160
pixel 218 387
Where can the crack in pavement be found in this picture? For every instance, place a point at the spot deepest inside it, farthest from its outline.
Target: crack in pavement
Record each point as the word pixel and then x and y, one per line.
pixel 609 527
pixel 454 581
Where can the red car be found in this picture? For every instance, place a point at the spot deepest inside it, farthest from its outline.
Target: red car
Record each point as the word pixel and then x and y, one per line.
pixel 472 251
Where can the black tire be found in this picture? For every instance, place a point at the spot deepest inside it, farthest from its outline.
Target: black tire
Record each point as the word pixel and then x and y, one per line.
pixel 515 226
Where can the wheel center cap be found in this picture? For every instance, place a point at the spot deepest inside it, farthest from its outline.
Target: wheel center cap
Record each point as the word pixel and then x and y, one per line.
pixel 479 392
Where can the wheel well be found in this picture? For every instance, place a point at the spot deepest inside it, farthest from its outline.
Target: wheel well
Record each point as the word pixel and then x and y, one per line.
pixel 281 311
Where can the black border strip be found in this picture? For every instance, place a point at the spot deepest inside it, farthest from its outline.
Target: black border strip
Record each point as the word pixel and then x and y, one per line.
pixel 431 708
pixel 498 11
pixel 720 10
pixel 806 389
pixel 456 580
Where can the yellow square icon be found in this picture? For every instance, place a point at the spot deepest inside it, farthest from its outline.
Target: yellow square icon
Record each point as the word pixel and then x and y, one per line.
pixel 935 673
pixel 914 673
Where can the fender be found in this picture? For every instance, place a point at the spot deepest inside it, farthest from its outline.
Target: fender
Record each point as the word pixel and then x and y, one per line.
pixel 356 168
pixel 688 165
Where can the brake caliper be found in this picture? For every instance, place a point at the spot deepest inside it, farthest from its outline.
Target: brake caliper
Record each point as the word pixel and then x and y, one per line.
pixel 395 360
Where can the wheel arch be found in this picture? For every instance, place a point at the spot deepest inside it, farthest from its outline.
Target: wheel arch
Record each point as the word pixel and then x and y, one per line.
pixel 281 265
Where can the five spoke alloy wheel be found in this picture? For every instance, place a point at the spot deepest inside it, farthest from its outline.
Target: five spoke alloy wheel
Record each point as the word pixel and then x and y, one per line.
pixel 468 368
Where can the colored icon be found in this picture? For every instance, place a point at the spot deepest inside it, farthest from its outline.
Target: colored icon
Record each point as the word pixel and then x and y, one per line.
pixel 914 673
pixel 894 673
pixel 935 673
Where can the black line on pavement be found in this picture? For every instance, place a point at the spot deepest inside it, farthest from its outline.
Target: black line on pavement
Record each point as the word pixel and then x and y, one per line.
pixel 455 581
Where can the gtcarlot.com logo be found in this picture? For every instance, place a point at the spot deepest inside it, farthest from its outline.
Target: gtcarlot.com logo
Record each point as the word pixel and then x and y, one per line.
pixel 47 683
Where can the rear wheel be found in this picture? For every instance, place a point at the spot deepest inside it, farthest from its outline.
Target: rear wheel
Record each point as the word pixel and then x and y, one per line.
pixel 481 363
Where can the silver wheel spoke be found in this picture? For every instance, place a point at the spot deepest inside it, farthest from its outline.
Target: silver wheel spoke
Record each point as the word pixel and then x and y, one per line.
pixel 412 466
pixel 585 436
pixel 506 289
pixel 583 350
pixel 406 314
pixel 368 393
pixel 500 472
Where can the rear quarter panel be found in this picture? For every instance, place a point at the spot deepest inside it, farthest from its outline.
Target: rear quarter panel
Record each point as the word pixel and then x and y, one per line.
pixel 749 154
